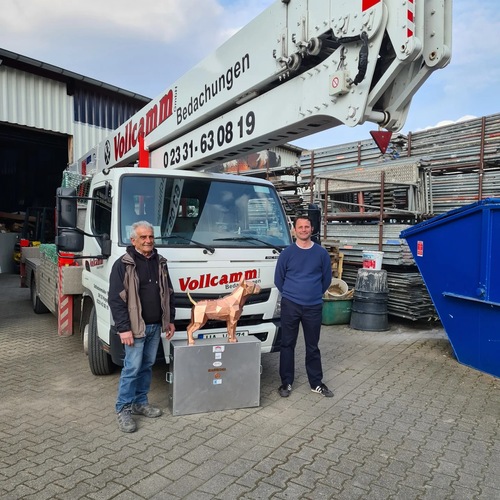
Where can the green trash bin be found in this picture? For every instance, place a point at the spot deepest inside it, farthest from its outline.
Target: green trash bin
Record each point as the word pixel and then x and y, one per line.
pixel 336 311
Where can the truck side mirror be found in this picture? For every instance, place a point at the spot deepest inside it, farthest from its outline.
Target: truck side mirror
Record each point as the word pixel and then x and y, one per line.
pixel 68 237
pixel 69 240
pixel 105 246
pixel 66 212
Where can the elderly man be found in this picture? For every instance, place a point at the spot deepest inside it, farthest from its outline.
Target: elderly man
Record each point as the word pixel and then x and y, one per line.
pixel 141 302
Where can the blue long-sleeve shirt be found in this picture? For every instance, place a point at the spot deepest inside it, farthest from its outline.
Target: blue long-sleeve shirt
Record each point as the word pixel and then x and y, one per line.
pixel 303 275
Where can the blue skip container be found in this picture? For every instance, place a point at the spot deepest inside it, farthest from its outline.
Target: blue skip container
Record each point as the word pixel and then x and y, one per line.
pixel 458 255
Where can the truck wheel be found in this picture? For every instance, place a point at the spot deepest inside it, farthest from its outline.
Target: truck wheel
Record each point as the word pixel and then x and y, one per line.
pixel 38 306
pixel 99 361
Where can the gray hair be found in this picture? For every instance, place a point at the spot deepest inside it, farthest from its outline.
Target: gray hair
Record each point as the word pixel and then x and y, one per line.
pixel 141 223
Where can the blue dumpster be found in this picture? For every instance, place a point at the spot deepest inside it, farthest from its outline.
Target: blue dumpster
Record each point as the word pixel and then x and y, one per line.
pixel 458 255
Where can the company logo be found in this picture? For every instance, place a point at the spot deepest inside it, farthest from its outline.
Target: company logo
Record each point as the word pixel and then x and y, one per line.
pixel 153 117
pixel 207 280
pixel 95 262
pixel 107 152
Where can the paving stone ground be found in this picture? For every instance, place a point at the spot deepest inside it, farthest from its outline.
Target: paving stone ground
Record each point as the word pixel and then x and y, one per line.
pixel 407 422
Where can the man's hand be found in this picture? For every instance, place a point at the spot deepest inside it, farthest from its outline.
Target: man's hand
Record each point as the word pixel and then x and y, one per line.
pixel 127 338
pixel 170 331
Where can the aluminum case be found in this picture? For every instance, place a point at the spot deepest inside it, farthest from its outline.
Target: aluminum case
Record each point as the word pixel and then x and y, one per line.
pixel 213 375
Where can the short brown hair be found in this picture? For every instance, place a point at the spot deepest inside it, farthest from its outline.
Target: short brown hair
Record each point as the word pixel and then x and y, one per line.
pixel 304 217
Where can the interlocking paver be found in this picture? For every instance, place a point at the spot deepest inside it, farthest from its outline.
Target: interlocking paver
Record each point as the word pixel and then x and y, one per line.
pixel 293 490
pixel 151 485
pixel 230 493
pixel 407 422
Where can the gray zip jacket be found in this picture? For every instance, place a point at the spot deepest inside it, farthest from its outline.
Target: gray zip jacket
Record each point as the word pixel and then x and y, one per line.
pixel 123 297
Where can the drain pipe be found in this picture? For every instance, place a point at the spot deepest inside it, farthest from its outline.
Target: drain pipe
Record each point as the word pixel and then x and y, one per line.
pixel 381 215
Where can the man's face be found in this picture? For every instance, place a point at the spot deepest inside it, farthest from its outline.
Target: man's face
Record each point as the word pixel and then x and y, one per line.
pixel 303 229
pixel 145 241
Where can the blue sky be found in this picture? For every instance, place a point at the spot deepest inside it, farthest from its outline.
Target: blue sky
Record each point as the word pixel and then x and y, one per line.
pixel 146 46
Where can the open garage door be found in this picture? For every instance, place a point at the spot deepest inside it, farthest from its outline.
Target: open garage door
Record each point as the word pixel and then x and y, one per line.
pixel 31 166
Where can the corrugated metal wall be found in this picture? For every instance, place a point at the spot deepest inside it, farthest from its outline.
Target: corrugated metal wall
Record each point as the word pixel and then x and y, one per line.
pixel 49 117
pixel 42 103
pixel 85 138
pixel 288 158
pixel 34 101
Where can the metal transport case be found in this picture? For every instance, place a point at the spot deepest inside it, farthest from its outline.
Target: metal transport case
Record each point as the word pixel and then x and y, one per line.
pixel 213 374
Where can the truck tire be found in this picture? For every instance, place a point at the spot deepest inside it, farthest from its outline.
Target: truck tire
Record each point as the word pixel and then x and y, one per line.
pixel 38 306
pixel 99 361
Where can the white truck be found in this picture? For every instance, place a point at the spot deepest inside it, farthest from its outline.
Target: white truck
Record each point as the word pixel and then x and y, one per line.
pixel 298 68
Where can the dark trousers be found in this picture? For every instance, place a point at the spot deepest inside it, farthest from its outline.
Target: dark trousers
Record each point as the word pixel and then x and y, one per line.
pixel 292 315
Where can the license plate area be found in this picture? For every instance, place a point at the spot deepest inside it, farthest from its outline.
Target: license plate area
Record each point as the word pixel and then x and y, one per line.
pixel 242 333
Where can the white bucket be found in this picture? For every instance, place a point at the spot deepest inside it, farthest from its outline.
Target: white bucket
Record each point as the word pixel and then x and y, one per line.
pixel 372 260
pixel 337 289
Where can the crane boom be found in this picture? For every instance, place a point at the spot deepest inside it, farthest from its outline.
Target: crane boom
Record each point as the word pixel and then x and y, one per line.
pixel 300 67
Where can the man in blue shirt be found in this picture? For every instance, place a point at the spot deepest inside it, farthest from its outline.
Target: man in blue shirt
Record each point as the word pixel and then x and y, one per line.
pixel 303 274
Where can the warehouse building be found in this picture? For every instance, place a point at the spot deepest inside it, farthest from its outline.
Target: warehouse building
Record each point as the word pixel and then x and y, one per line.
pixel 49 117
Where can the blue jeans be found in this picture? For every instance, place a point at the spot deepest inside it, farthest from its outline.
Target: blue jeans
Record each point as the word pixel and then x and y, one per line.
pixel 137 371
pixel 292 315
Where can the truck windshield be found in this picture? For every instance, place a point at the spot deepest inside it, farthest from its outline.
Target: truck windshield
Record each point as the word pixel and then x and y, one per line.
pixel 204 212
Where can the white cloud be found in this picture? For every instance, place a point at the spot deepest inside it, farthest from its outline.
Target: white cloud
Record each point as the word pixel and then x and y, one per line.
pixel 141 46
pixel 147 19
pixel 444 123
pixel 144 46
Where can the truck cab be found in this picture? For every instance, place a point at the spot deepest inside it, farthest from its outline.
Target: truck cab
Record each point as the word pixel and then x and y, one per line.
pixel 214 230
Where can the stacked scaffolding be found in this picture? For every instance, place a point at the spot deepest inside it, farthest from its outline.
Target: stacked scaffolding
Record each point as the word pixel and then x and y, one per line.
pixel 367 198
pixel 458 164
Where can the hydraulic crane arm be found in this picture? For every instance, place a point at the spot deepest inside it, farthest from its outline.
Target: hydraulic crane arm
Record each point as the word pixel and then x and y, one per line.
pixel 300 67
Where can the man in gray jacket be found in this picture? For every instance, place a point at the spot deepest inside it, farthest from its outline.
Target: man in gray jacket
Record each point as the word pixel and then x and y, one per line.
pixel 141 300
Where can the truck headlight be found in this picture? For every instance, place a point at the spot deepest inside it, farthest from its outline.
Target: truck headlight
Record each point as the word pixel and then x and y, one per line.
pixel 277 307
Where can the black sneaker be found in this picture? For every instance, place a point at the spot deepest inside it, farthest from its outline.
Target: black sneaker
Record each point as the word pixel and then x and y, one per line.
pixel 323 390
pixel 125 421
pixel 285 390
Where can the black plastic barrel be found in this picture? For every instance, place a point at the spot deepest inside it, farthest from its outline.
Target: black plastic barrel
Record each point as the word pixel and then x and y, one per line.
pixel 369 305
